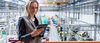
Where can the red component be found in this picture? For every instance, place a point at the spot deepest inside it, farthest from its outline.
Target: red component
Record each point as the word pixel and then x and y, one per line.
pixel 58 3
pixel 48 39
pixel 15 40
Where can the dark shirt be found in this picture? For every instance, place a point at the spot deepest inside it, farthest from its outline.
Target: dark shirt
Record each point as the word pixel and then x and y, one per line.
pixel 36 22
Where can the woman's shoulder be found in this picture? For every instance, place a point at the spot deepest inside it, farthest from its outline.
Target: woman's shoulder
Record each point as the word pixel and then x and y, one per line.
pixel 38 16
pixel 21 19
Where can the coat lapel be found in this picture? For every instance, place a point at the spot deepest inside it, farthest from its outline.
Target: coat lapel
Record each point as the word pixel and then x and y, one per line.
pixel 28 23
pixel 32 22
pixel 39 19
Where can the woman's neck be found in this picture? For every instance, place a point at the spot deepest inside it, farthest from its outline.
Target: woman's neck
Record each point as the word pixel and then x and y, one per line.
pixel 33 18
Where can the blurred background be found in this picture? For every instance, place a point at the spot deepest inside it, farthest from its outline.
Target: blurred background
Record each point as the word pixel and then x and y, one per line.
pixel 68 20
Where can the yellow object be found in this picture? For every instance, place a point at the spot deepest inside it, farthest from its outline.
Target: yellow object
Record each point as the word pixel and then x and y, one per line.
pixel 65 32
pixel 58 27
pixel 80 34
pixel 2 23
pixel 49 17
pixel 0 33
pixel 17 6
pixel 54 17
pixel 62 35
pixel 61 32
pixel 71 22
pixel 23 6
pixel 71 27
pixel 42 20
pixel 64 3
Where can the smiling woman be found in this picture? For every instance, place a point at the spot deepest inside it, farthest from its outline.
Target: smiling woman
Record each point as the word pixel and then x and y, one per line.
pixel 28 32
pixel 33 8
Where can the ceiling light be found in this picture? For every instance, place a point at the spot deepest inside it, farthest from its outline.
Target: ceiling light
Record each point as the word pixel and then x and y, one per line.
pixel 54 0
pixel 63 0
pixel 20 3
pixel 7 0
pixel 25 0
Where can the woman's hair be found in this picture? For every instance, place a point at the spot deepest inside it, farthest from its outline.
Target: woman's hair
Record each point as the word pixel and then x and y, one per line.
pixel 27 8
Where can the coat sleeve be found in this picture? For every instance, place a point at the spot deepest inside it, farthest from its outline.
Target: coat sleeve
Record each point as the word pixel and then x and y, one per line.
pixel 22 36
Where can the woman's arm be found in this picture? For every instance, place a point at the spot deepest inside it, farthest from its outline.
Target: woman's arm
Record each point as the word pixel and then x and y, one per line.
pixel 22 31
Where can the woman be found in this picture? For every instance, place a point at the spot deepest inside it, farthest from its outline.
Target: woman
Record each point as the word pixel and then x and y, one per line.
pixel 28 32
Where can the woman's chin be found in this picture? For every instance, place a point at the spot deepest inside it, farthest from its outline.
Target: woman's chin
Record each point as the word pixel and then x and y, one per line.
pixel 32 13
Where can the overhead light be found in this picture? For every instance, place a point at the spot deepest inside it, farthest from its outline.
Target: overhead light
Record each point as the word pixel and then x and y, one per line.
pixel 63 0
pixel 25 0
pixel 45 0
pixel 41 5
pixel 20 3
pixel 7 0
pixel 54 0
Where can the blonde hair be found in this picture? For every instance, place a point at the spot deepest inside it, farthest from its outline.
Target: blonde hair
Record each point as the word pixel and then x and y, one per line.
pixel 27 8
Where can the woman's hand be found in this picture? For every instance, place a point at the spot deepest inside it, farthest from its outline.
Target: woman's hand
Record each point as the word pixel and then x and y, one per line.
pixel 36 32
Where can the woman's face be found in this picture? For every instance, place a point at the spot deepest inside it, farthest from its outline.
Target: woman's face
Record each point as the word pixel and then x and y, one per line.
pixel 33 8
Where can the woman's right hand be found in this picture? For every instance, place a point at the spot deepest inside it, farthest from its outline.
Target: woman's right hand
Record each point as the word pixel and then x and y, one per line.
pixel 36 31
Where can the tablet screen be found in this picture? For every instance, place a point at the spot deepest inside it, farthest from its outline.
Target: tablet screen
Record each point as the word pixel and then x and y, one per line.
pixel 42 26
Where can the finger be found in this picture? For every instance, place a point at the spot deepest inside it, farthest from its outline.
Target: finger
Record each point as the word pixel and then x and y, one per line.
pixel 36 27
pixel 38 33
pixel 40 30
pixel 41 34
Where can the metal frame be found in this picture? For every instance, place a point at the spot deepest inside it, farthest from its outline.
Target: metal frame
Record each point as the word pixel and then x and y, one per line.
pixel 95 26
pixel 9 14
pixel 92 7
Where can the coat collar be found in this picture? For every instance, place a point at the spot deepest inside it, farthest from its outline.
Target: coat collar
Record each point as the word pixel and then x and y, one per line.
pixel 39 20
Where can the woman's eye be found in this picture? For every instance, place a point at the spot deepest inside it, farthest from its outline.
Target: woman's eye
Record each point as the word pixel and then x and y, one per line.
pixel 32 7
pixel 36 7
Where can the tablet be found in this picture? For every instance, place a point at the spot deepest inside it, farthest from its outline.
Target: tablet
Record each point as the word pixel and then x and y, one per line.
pixel 42 26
